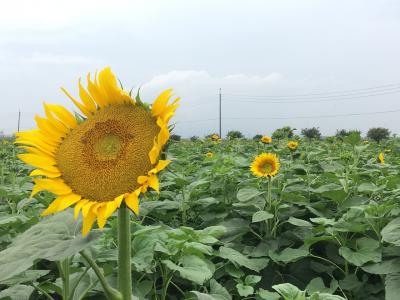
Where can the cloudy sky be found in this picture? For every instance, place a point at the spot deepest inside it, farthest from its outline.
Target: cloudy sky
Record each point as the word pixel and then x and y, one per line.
pixel 325 63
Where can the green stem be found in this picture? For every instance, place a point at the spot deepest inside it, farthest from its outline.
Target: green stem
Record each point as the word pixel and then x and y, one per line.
pixel 124 253
pixel 65 270
pixel 111 293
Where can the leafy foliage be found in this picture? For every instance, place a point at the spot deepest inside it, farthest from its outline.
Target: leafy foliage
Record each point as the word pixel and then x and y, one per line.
pixel 234 134
pixel 283 133
pixel 330 231
pixel 311 133
pixel 378 134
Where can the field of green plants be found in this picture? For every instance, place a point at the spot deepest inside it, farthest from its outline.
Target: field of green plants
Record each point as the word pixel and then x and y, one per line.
pixel 328 229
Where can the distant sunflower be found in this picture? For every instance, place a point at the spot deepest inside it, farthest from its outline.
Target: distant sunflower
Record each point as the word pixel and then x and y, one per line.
pixel 97 161
pixel 292 145
pixel 265 164
pixel 209 154
pixel 266 139
pixel 215 137
pixel 381 158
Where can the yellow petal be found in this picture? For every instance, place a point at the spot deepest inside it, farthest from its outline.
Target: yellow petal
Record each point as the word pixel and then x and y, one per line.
pixel 51 117
pixel 108 83
pixel 162 164
pixel 55 186
pixel 154 183
pixel 37 151
pixel 61 203
pixel 51 131
pixel 88 221
pixel 105 211
pixel 42 162
pixel 63 114
pixel 95 92
pixel 119 199
pixel 86 98
pixel 154 153
pixel 132 201
pixel 81 106
pixel 161 102
pixel 78 207
pixel 86 208
pixel 41 172
pixel 163 136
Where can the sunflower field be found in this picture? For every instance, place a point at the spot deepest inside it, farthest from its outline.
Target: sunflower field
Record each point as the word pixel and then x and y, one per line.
pixel 325 226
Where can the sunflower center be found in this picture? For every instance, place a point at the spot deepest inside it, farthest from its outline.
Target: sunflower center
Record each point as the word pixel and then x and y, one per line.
pixel 107 147
pixel 266 167
pixel 103 156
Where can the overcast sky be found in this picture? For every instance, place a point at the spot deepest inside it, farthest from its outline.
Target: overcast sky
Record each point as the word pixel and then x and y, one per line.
pixel 337 58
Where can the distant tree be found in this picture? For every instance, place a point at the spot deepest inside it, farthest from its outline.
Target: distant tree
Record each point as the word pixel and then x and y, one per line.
pixel 311 133
pixel 257 137
pixel 234 134
pixel 175 137
pixel 378 134
pixel 194 138
pixel 284 132
pixel 343 132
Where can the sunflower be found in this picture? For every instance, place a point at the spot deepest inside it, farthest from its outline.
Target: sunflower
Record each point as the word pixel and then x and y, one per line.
pixel 292 145
pixel 266 139
pixel 209 154
pixel 381 158
pixel 109 155
pixel 265 164
pixel 215 137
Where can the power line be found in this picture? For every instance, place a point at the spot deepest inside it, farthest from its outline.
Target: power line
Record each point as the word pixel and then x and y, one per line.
pixel 294 117
pixel 345 92
pixel 314 101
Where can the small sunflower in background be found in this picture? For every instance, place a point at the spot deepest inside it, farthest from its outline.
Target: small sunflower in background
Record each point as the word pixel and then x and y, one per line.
pixel 293 145
pixel 215 137
pixel 381 158
pixel 265 164
pixel 366 142
pixel 209 154
pixel 109 155
pixel 266 139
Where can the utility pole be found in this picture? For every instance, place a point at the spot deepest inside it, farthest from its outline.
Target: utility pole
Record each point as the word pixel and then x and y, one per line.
pixel 220 113
pixel 19 119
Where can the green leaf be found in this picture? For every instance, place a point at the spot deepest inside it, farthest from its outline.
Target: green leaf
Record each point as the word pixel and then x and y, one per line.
pixel 392 286
pixel 288 255
pixel 27 276
pixel 367 187
pixel 255 264
pixel 193 268
pixel 252 279
pixel 384 267
pixel 244 290
pixel 367 250
pixel 391 232
pixel 318 285
pixel 289 291
pixel 247 194
pixel 261 216
pixel 53 238
pixel 17 292
pixel 299 222
pixel 267 295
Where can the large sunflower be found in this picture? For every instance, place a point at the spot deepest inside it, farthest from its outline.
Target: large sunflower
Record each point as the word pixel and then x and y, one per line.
pixel 265 164
pixel 109 155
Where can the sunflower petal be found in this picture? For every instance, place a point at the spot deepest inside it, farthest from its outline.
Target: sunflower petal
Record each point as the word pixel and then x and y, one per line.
pixel 63 114
pixel 132 201
pixel 78 207
pixel 61 203
pixel 55 186
pixel 154 183
pixel 86 98
pixel 161 102
pixel 42 162
pixel 81 106
pixel 41 172
pixel 88 221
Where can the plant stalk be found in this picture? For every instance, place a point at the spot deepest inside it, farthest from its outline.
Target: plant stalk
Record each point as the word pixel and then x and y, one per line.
pixel 124 253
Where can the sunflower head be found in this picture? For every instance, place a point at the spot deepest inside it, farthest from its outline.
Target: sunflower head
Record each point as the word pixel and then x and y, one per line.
pixel 209 154
pixel 381 158
pixel 266 139
pixel 110 156
pixel 215 137
pixel 292 145
pixel 265 164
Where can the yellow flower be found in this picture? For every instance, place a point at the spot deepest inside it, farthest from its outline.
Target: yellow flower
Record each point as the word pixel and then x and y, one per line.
pixel 209 154
pixel 215 137
pixel 265 164
pixel 366 142
pixel 381 158
pixel 109 156
pixel 292 145
pixel 5 142
pixel 266 139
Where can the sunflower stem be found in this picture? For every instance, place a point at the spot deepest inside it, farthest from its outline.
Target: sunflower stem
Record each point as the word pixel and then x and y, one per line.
pixel 65 270
pixel 111 293
pixel 124 253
